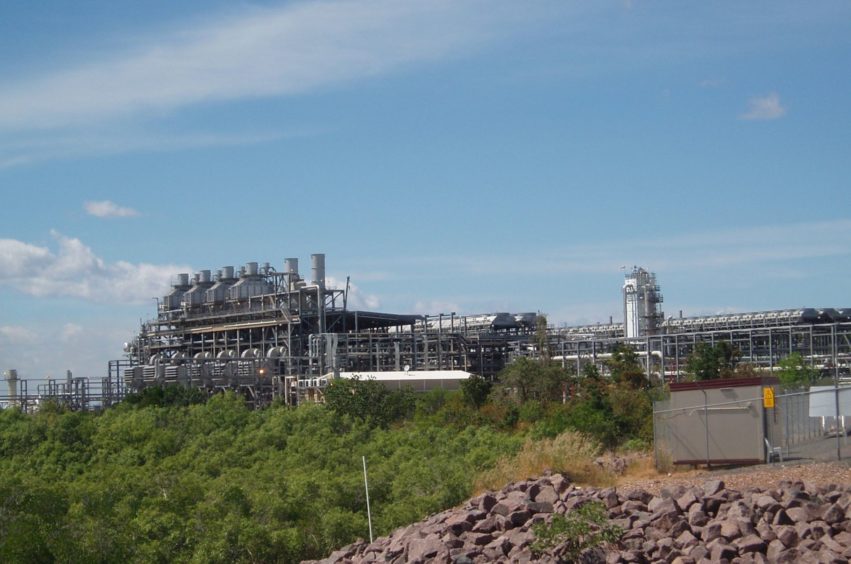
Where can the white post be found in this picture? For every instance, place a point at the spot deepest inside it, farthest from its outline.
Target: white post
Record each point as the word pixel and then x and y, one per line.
pixel 366 486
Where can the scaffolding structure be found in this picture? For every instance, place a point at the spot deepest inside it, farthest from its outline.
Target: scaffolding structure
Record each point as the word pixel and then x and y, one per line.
pixel 761 339
pixel 272 335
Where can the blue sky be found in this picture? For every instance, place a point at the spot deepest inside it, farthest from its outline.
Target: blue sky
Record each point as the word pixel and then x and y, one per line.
pixel 459 155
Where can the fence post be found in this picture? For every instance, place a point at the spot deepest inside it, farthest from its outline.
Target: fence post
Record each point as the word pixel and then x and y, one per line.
pixel 706 423
pixel 786 422
pixel 655 439
pixel 836 390
pixel 836 423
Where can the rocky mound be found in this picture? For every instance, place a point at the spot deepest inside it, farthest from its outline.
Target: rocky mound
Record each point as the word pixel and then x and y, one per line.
pixel 793 522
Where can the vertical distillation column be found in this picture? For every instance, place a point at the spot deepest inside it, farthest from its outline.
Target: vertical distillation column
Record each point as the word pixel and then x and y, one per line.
pixel 291 270
pixel 317 267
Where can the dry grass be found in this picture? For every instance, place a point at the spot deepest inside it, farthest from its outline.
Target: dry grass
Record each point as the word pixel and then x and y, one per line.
pixel 641 468
pixel 570 453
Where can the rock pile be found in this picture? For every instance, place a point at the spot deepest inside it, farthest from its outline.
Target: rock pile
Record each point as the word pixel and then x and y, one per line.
pixel 793 522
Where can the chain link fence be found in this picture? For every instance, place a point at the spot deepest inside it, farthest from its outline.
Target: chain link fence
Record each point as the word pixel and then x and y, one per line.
pixel 801 425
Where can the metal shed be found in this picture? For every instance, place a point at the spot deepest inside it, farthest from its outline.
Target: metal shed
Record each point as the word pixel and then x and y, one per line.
pixel 716 421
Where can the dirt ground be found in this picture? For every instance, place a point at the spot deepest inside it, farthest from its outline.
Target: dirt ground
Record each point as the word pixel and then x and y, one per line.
pixel 764 476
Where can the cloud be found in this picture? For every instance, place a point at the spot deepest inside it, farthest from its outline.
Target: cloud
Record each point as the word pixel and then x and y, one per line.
pixel 711 83
pixel 34 148
pixel 357 299
pixel 84 349
pixel 74 270
pixel 16 335
pixel 70 331
pixel 764 108
pixel 749 247
pixel 258 52
pixel 106 208
pixel 434 307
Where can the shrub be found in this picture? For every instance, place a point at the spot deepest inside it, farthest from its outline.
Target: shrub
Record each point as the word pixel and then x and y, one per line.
pixel 530 412
pixel 475 390
pixel 584 528
pixel 368 400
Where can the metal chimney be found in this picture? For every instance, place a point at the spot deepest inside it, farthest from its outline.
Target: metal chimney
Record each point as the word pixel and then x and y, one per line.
pixel 11 377
pixel 251 268
pixel 291 268
pixel 204 276
pixel 227 272
pixel 317 265
pixel 182 280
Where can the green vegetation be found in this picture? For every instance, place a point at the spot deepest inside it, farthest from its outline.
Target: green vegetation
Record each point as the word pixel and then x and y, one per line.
pixel 794 373
pixel 722 360
pixel 585 527
pixel 168 477
pixel 217 482
pixel 708 362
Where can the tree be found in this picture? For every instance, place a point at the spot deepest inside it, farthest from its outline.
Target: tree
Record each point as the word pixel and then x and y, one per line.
pixel 794 373
pixel 529 379
pixel 626 369
pixel 541 337
pixel 368 400
pixel 708 362
pixel 475 390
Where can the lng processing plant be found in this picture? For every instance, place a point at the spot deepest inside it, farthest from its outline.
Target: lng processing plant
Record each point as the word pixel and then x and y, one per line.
pixel 283 335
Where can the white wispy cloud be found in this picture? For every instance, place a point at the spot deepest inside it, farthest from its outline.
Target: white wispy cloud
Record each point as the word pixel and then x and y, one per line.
pixel 107 208
pixel 13 335
pixel 764 108
pixel 35 147
pixel 82 348
pixel 357 298
pixel 711 82
pixel 74 270
pixel 260 52
pixel 70 332
pixel 755 246
pixel 114 103
pixel 434 307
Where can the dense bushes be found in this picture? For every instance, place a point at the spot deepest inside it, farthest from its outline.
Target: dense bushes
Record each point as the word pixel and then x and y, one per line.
pixel 216 482
pixel 167 477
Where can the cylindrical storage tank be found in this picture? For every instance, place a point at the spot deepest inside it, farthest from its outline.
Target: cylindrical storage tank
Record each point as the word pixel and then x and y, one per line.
pixel 317 265
pixel 11 376
pixel 251 268
pixel 227 272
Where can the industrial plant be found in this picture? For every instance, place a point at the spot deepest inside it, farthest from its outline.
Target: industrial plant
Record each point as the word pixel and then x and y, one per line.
pixel 284 335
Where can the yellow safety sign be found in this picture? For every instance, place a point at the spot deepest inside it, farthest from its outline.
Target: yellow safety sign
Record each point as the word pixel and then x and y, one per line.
pixel 768 398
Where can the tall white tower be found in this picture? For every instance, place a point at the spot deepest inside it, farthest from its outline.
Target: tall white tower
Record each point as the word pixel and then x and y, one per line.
pixel 641 298
pixel 11 377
